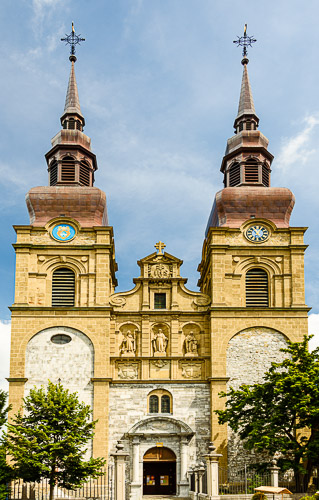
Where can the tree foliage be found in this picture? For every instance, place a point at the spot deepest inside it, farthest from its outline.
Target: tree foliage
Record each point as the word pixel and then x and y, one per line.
pixel 48 440
pixel 281 415
pixel 6 472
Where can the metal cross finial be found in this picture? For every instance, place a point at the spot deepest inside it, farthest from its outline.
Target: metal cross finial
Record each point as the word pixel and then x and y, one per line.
pixel 245 41
pixel 159 247
pixel 72 39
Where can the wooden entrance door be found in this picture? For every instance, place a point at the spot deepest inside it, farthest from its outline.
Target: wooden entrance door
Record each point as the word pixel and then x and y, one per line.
pixel 159 472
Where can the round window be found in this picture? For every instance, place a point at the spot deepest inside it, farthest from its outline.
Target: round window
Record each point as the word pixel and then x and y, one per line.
pixel 61 339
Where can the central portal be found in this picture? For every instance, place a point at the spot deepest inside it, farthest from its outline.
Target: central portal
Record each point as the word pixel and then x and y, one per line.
pixel 159 472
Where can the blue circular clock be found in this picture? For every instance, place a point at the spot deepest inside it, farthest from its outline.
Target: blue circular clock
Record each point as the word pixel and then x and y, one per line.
pixel 63 232
pixel 257 233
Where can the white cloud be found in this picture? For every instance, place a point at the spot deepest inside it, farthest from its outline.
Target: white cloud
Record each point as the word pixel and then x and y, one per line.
pixel 313 325
pixel 5 328
pixel 41 9
pixel 296 149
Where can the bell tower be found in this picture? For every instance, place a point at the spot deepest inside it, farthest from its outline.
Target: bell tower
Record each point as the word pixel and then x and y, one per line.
pixel 65 274
pixel 252 263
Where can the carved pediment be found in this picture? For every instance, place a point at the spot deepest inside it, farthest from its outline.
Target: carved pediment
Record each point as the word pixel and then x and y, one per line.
pixel 161 426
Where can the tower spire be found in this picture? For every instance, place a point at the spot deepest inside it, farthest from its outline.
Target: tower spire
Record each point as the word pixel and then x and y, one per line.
pixel 72 110
pixel 246 118
pixel 72 116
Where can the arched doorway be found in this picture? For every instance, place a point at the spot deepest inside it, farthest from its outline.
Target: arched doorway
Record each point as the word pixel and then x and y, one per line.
pixel 159 471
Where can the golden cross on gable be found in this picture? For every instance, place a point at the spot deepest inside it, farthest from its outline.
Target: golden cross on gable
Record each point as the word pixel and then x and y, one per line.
pixel 159 247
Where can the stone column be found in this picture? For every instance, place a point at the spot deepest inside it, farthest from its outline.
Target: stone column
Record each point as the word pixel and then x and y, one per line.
pixel 212 459
pixel 136 484
pixel 183 483
pixel 274 474
pixel 136 459
pixel 119 472
pixel 201 472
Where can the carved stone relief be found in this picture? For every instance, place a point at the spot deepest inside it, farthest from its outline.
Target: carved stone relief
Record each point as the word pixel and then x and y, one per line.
pixel 160 368
pixel 128 371
pixel 160 270
pixel 191 369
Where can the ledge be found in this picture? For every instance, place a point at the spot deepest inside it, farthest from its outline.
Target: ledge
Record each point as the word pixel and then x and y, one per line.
pixel 17 379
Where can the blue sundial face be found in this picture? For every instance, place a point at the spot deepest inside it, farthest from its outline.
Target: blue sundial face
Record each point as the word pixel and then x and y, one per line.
pixel 257 233
pixel 63 232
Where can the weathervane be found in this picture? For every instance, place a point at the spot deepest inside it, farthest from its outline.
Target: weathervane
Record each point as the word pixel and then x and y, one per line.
pixel 245 41
pixel 73 40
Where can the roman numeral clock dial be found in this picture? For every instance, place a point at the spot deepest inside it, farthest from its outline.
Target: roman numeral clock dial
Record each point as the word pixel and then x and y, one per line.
pixel 257 233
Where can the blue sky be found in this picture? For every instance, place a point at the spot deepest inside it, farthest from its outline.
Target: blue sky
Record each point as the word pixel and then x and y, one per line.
pixel 159 84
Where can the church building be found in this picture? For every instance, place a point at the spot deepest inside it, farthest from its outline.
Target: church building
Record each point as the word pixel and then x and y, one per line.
pixel 152 361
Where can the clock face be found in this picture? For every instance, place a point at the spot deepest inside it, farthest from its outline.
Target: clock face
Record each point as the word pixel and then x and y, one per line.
pixel 257 233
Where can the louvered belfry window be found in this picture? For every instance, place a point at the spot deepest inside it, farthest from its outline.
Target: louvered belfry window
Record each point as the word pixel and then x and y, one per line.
pixel 251 171
pixel 53 173
pixel 265 175
pixel 257 288
pixel 84 174
pixel 63 287
pixel 234 175
pixel 68 169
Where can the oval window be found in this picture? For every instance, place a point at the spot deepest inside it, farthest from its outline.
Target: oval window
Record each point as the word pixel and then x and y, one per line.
pixel 61 339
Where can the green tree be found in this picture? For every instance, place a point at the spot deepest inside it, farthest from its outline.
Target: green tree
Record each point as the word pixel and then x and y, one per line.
pixel 5 469
pixel 281 415
pixel 48 440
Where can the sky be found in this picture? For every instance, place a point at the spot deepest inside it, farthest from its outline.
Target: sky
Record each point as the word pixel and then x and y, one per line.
pixel 159 84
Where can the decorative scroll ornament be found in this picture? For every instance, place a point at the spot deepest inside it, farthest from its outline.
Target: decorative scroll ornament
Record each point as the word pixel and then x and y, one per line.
pixel 117 301
pixel 202 300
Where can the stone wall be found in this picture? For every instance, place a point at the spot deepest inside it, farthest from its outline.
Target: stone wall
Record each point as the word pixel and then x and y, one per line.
pixel 72 363
pixel 249 355
pixel 191 405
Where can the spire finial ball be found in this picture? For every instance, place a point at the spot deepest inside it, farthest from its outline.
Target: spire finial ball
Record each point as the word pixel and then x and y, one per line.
pixel 245 61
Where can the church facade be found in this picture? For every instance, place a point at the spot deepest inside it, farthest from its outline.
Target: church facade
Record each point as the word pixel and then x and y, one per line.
pixel 151 361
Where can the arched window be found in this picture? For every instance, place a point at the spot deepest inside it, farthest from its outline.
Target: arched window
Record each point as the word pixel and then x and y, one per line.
pixel 251 171
pixel 257 288
pixel 160 401
pixel 85 173
pixel 68 169
pixel 153 404
pixel 63 287
pixel 234 175
pixel 165 404
pixel 53 173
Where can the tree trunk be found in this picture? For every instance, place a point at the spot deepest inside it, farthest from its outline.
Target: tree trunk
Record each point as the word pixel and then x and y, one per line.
pixel 52 484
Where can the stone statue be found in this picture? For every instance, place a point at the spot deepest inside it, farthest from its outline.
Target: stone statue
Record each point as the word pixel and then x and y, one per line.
pixel 159 342
pixel 128 346
pixel 191 344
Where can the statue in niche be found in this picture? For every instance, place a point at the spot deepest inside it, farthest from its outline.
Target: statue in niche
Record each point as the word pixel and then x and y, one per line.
pixel 159 343
pixel 191 344
pixel 128 346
